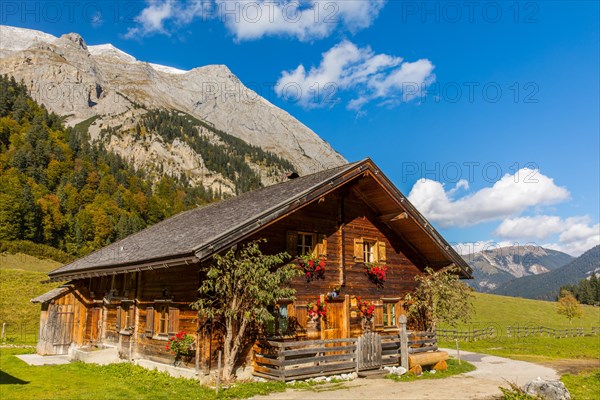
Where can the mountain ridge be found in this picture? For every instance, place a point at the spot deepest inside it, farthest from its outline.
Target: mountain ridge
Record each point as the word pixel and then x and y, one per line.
pixel 494 267
pixel 546 286
pixel 80 82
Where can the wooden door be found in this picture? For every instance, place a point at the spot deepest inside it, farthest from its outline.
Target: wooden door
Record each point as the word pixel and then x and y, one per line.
pixel 95 324
pixel 59 327
pixel 334 326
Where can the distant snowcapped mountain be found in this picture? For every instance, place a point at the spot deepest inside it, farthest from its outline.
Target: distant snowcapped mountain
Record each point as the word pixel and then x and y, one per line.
pixel 111 91
pixel 492 268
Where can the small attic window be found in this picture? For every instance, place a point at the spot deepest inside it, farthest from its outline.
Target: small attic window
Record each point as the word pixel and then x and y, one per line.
pixel 292 175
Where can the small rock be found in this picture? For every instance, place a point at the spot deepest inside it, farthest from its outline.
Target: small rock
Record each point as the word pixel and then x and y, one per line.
pixel 353 375
pixel 243 373
pixel 319 379
pixel 432 371
pixel 547 390
pixel 291 382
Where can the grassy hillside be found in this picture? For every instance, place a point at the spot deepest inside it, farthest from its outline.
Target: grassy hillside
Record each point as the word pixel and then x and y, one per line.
pixel 20 281
pixel 27 263
pixel 506 311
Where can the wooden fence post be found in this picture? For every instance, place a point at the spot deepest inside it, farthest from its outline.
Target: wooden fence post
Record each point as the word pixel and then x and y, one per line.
pixel 403 342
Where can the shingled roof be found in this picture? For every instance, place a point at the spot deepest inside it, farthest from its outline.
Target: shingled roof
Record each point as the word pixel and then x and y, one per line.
pixel 52 294
pixel 195 235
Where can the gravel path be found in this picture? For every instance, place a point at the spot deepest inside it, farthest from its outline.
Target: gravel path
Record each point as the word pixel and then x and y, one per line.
pixel 482 383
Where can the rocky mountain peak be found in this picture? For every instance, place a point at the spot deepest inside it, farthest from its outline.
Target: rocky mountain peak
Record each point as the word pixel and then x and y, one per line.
pixel 74 38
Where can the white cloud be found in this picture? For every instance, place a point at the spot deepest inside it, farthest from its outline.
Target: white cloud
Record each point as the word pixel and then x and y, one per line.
pixel 508 197
pixel 254 19
pixel 152 18
pixel 304 20
pixel 379 77
pixel 572 235
pixel 536 227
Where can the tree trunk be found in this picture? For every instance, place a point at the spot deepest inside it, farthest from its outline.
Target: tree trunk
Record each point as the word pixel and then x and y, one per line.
pixel 227 351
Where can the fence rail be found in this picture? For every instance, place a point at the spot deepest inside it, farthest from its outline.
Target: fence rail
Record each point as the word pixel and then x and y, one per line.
pixel 21 333
pixel 514 332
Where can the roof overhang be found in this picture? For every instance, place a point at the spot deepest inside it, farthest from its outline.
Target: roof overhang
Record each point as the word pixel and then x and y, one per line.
pixel 52 294
pixel 148 265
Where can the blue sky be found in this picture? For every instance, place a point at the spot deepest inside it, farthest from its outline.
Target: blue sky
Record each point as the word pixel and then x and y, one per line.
pixel 494 104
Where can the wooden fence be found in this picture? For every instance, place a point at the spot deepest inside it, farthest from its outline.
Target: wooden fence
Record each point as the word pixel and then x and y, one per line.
pixel 421 342
pixel 285 361
pixel 19 333
pixel 514 332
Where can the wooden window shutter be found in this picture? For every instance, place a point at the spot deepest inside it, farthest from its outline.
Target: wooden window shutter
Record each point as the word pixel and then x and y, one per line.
pixel 149 321
pixel 381 255
pixel 379 310
pixel 131 312
pixel 301 315
pixel 292 243
pixel 173 320
pixel 358 250
pixel 118 320
pixel 321 245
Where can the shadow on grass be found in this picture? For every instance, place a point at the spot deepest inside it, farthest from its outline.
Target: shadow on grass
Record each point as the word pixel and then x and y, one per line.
pixel 7 379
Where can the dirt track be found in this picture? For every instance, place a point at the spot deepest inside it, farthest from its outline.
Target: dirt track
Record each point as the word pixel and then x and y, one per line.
pixel 482 383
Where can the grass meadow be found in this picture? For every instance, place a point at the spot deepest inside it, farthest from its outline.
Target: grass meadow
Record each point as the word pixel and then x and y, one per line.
pixel 21 279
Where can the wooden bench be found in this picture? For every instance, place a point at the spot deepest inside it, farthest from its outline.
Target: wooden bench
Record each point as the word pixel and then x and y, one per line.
pixel 417 361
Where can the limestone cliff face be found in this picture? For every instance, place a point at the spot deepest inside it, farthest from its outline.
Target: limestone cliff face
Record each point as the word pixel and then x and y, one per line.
pixel 81 82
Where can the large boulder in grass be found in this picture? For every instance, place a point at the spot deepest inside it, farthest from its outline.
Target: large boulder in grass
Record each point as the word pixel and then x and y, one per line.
pixel 547 390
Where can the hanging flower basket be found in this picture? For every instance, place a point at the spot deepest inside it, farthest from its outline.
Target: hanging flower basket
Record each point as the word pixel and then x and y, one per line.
pixel 317 310
pixel 376 272
pixel 313 267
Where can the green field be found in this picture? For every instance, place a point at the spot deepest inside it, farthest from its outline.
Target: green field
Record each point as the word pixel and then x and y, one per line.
pixel 503 311
pixel 20 281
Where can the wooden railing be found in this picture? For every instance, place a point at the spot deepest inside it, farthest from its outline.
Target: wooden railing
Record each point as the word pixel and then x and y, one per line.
pixel 285 361
pixel 514 332
pixel 467 336
pixel 525 331
pixel 421 342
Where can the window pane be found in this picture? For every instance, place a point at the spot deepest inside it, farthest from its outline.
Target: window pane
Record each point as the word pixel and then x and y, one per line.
pixel 368 251
pixel 305 244
pixel 163 320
